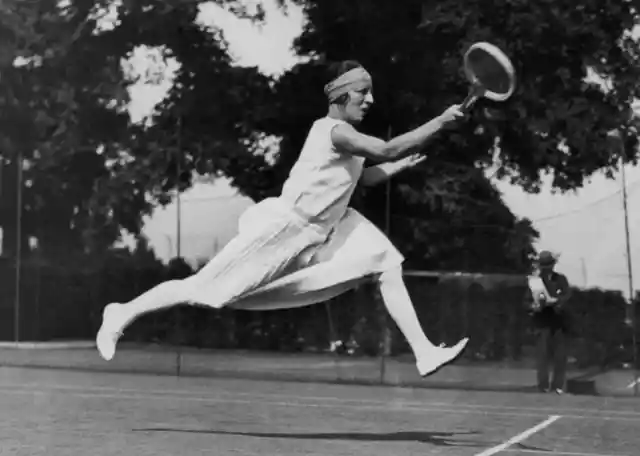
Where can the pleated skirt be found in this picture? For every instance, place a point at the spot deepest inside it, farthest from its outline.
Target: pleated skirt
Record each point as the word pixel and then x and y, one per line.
pixel 279 260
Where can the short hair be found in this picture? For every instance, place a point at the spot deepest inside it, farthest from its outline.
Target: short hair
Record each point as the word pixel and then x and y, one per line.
pixel 337 69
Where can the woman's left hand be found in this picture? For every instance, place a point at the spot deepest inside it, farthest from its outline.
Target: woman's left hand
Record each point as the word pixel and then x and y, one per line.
pixel 413 160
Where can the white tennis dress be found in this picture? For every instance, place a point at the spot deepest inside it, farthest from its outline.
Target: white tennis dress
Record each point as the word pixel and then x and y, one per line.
pixel 303 247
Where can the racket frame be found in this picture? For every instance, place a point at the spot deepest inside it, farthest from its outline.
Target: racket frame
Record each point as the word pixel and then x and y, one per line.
pixel 477 89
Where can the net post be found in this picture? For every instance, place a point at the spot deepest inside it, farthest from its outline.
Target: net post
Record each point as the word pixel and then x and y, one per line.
pixel 178 243
pixel 384 332
pixel 632 322
pixel 18 251
pixel 382 344
pixel 618 137
pixel 334 337
pixel 179 348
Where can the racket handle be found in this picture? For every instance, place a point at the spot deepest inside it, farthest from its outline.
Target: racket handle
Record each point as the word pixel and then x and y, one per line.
pixel 475 92
pixel 468 102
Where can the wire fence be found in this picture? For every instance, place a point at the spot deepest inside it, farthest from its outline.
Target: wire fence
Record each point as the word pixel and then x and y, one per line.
pixel 59 296
pixel 348 339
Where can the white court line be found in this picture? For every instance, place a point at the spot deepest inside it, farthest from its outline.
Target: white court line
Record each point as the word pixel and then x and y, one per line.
pixel 556 453
pixel 567 412
pixel 520 437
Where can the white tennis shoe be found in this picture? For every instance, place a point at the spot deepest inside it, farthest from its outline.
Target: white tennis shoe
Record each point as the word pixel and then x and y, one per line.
pixel 440 357
pixel 113 323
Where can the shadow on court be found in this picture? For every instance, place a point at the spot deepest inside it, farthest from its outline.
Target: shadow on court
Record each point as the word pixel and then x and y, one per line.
pixel 437 439
pixel 443 439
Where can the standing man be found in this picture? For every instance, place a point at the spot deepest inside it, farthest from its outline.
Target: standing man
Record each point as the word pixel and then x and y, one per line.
pixel 550 292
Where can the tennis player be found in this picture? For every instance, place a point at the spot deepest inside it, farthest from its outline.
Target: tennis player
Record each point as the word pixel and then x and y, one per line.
pixel 307 245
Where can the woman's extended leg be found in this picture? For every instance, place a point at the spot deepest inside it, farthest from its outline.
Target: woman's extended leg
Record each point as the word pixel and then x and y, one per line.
pixel 255 257
pixel 429 358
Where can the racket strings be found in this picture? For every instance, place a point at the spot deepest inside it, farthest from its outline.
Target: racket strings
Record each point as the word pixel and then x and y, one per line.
pixel 489 67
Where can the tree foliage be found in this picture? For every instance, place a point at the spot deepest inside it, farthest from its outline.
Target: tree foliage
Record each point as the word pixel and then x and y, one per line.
pixel 92 173
pixel 62 113
pixel 88 171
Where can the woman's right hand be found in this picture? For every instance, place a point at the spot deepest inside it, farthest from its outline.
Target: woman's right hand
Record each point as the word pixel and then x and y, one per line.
pixel 452 115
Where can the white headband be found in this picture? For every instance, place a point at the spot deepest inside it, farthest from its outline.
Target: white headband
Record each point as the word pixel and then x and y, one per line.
pixel 355 79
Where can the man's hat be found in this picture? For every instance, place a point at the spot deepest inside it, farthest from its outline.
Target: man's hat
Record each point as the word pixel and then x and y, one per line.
pixel 546 258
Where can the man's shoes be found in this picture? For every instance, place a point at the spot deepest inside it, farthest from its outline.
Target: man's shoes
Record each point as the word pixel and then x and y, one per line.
pixel 546 389
pixel 440 357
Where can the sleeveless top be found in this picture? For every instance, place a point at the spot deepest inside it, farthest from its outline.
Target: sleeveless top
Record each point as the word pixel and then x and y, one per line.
pixel 322 181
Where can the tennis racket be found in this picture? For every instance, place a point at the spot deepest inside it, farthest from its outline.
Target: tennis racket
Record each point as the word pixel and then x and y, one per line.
pixel 490 73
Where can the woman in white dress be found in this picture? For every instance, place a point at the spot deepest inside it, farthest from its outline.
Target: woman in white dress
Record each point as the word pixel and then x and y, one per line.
pixel 307 245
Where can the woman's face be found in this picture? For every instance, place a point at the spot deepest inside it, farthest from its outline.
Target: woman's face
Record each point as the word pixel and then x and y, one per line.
pixel 358 103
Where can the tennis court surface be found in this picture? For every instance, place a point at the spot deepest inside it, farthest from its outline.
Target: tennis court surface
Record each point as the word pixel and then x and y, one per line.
pixel 71 413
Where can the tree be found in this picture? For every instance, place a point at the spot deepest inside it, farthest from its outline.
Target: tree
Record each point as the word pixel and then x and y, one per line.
pixel 207 122
pixel 88 172
pixel 61 112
